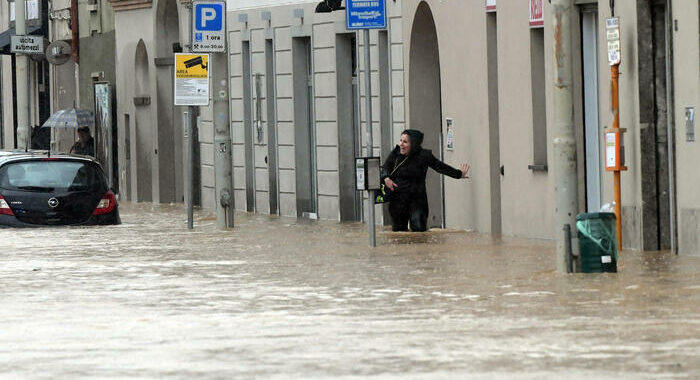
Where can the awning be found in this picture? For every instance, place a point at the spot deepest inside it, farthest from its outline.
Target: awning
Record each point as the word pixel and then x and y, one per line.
pixel 6 37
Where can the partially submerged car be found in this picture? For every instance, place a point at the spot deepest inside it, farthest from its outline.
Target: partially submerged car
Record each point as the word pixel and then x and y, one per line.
pixel 38 189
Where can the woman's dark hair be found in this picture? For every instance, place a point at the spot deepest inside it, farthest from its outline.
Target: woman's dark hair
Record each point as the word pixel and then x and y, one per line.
pixel 416 137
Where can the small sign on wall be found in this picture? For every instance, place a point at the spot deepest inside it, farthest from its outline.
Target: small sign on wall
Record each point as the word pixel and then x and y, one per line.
pixel 490 5
pixel 689 124
pixel 450 134
pixel 536 14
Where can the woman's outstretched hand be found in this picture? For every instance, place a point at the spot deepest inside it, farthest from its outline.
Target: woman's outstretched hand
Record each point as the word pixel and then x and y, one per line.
pixel 465 170
pixel 390 184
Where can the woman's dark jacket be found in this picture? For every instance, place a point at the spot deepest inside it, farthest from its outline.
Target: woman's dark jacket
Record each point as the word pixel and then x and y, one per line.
pixel 87 150
pixel 410 175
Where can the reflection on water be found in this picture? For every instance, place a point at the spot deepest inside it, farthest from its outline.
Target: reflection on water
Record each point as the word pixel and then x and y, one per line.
pixel 277 298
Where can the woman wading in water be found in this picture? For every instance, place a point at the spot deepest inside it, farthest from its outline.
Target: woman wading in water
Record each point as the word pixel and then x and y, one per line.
pixel 404 174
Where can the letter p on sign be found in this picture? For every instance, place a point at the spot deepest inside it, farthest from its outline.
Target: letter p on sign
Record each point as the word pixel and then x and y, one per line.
pixel 209 17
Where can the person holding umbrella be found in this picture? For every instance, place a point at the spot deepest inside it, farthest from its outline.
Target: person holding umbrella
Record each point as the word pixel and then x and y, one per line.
pixel 72 118
pixel 85 144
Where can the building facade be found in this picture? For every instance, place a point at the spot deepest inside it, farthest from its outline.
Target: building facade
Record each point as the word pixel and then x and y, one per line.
pixel 486 69
pixel 150 135
pixel 38 70
pixel 61 83
pixel 77 84
pixel 475 76
pixel 298 116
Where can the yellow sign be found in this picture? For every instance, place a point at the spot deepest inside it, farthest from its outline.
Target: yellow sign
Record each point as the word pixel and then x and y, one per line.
pixel 191 79
pixel 191 66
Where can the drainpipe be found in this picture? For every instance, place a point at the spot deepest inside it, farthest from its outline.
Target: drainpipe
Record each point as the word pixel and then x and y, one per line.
pixel 565 180
pixel 670 119
pixel 75 46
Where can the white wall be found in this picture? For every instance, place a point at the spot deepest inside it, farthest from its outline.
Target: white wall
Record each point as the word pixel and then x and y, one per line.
pixel 232 5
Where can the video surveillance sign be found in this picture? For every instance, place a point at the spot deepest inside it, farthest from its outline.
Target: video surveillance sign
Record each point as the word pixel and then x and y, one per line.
pixel 208 27
pixel 191 79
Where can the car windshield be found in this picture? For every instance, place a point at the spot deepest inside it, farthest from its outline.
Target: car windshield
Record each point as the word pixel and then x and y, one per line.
pixel 50 176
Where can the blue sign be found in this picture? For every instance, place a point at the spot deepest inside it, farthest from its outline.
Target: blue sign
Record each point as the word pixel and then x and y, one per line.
pixel 208 26
pixel 208 17
pixel 366 14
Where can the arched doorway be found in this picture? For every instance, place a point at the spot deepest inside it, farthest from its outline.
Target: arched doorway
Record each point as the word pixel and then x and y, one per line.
pixel 169 138
pixel 142 127
pixel 425 101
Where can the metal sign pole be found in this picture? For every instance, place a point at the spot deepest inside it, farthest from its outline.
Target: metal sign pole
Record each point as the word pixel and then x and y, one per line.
pixel 367 15
pixel 209 36
pixel 612 29
pixel 370 143
pixel 189 186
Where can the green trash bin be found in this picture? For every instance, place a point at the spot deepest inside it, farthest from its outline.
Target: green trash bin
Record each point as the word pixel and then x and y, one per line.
pixel 597 242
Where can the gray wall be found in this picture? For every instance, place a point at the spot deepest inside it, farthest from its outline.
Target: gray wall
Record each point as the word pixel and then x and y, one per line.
pixel 156 134
pixel 322 30
pixel 686 84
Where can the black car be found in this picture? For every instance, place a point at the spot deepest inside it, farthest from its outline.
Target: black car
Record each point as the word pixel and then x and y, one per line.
pixel 40 189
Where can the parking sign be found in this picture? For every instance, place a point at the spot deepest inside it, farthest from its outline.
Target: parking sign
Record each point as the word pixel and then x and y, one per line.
pixel 208 26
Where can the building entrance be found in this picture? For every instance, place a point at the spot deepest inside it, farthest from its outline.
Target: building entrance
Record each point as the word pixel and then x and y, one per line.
pixel 348 126
pixel 591 117
pixel 655 118
pixel 304 129
pixel 426 104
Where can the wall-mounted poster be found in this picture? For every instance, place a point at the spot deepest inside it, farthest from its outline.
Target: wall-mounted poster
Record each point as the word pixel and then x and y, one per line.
pixel 450 134
pixel 536 14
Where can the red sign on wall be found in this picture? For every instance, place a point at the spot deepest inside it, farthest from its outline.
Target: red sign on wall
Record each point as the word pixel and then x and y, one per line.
pixel 490 5
pixel 536 14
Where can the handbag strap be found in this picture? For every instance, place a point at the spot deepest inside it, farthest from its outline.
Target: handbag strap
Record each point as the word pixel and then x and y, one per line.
pixel 398 166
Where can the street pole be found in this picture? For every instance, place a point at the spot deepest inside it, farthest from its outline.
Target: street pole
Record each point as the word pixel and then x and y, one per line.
pixel 565 180
pixel 188 117
pixel 222 142
pixel 23 134
pixel 615 74
pixel 614 149
pixel 208 35
pixel 370 142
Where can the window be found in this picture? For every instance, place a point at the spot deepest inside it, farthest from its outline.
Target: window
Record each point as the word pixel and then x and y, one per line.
pixel 539 101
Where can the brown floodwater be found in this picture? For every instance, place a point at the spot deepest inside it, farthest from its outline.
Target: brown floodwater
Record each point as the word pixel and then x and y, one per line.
pixel 281 298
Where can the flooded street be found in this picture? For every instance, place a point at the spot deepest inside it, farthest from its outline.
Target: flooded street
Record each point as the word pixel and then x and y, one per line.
pixel 277 298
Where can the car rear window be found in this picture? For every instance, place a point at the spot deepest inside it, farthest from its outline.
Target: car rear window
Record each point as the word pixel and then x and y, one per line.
pixel 50 176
